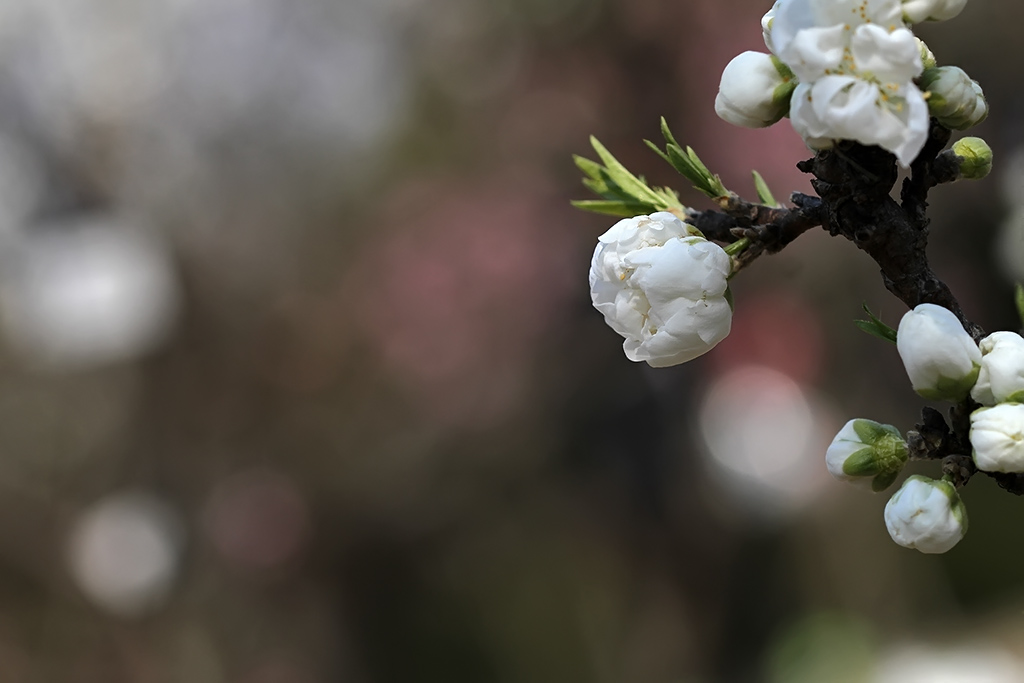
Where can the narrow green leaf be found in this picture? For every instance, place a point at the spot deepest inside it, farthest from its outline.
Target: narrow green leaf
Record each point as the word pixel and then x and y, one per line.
pixel 612 207
pixel 621 176
pixel 590 168
pixel 876 327
pixel 764 194
pixel 600 188
pixel 874 330
pixel 1019 298
pixel 657 150
pixel 667 133
pixel 685 167
pixel 670 197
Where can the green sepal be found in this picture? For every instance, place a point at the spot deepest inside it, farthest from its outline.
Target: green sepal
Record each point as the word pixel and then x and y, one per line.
pixel 884 481
pixel 871 432
pixel 954 390
pixel 956 506
pixel 863 463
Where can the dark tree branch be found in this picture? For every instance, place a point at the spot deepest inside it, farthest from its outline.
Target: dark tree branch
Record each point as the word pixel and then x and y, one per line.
pixel 854 183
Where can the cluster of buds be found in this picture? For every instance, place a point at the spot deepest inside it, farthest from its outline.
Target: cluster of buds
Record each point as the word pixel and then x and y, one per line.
pixel 851 70
pixel 943 362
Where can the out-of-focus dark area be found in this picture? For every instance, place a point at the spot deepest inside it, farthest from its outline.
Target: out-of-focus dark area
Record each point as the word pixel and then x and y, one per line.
pixel 301 381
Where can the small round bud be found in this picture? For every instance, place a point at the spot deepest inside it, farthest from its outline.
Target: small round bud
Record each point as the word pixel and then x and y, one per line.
pixel 997 437
pixel 927 56
pixel 975 157
pixel 868 454
pixel 941 359
pixel 926 515
pixel 953 98
pixel 755 90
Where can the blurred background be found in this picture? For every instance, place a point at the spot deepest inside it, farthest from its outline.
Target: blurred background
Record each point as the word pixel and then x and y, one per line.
pixel 300 380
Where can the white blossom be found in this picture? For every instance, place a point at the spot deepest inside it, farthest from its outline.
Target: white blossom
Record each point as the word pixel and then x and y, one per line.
pixel 766 26
pixel 941 359
pixel 926 515
pixel 916 11
pixel 954 99
pixel 867 454
pixel 997 436
pixel 755 90
pixel 1001 377
pixel 663 287
pixel 856 62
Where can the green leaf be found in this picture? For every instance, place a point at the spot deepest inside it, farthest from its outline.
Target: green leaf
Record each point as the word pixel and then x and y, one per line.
pixel 1019 298
pixel 764 194
pixel 876 327
pixel 657 150
pixel 666 132
pixel 863 463
pixel 593 169
pixel 688 164
pixel 612 207
pixel 622 177
pixel 884 481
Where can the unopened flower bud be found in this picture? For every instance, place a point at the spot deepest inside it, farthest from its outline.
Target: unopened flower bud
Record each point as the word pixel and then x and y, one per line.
pixel 755 90
pixel 997 436
pixel 926 515
pixel 916 11
pixel 975 157
pixel 941 359
pixel 927 56
pixel 954 99
pixel 867 453
pixel 1001 378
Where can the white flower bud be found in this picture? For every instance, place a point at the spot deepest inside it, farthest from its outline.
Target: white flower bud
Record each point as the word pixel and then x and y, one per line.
pixel 662 287
pixel 975 157
pixel 1001 378
pixel 927 56
pixel 954 99
pixel 926 515
pixel 997 435
pixel 868 454
pixel 916 11
pixel 755 90
pixel 941 359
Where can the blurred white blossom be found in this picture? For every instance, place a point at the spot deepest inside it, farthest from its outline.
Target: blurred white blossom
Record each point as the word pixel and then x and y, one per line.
pixel 125 552
pixel 88 293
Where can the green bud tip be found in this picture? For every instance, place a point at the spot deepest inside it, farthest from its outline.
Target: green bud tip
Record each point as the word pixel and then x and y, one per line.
pixel 975 157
